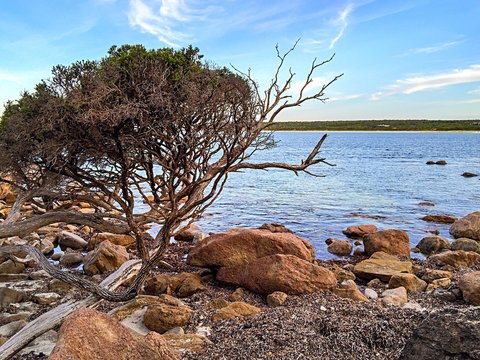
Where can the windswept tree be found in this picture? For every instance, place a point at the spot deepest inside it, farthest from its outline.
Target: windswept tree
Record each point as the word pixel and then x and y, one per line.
pixel 162 126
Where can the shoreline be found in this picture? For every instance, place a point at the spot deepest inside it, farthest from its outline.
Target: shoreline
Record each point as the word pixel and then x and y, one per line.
pixel 379 131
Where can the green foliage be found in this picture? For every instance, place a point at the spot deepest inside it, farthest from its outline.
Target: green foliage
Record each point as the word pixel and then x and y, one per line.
pixel 378 125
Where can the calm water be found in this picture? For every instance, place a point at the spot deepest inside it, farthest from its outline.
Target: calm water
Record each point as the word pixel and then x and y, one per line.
pixel 375 174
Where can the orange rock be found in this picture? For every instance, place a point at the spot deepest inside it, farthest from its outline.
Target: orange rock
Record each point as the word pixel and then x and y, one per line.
pixel 235 309
pixel 469 284
pixel 88 334
pixel 241 246
pixel 359 231
pixel 116 239
pixel 394 242
pixel 105 257
pixel 286 273
pixel 457 258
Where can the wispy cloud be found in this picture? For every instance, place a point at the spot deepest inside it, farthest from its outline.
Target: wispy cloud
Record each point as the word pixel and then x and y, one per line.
pixel 316 83
pixel 433 48
pixel 344 97
pixel 474 91
pixel 415 84
pixel 342 23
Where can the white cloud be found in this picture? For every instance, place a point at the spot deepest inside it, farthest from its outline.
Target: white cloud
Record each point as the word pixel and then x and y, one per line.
pixel 415 84
pixel 316 83
pixel 433 48
pixel 345 97
pixel 342 23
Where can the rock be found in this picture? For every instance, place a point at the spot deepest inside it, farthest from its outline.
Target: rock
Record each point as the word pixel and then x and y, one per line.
pixel 13 277
pixel 371 294
pixel 59 286
pixel 204 331
pixel 469 284
pixel 286 273
pixel 469 174
pixel 237 295
pixel 186 342
pixel 409 281
pixel 235 309
pixel 412 305
pixel 46 298
pixel 70 240
pixel 425 203
pixel 41 346
pixel 134 322
pixel 348 290
pixel 444 295
pixel 467 227
pixel 182 285
pixel 12 328
pixel 340 247
pixel 56 256
pixel 450 333
pixel 359 231
pixel 442 219
pixel 218 303
pixel 10 267
pixel 430 162
pixel 394 242
pixel 165 316
pixel 8 318
pixel 433 274
pixel 176 331
pixel 188 233
pixel 277 298
pixel 88 334
pixel 276 228
pixel 139 303
pixel 433 244
pixel 71 259
pixel 438 283
pixel 342 274
pixel 46 246
pixel 242 246
pixel 457 259
pixel 440 162
pixel 39 275
pixel 10 296
pixel 465 244
pixel 116 239
pixel 397 296
pixel 105 257
pixel 382 266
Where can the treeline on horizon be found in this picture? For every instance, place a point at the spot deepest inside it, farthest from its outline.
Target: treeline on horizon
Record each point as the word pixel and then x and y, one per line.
pixel 378 125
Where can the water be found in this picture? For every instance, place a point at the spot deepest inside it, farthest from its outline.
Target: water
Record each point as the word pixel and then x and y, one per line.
pixel 376 174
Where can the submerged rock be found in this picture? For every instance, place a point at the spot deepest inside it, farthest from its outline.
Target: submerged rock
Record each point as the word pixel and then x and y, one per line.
pixel 443 219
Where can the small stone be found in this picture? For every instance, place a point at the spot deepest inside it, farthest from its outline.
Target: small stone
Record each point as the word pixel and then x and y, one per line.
pixel 409 281
pixel 175 331
pixel 8 318
pixel 276 298
pixel 397 296
pixel 188 233
pixel 218 303
pixel 70 240
pixel 237 295
pixel 412 305
pixel 348 290
pixel 12 328
pixel 440 162
pixel 371 294
pixel 71 259
pixel 56 256
pixel 343 274
pixel 434 274
pixel 46 246
pixel 437 283
pixel 59 286
pixel 10 267
pixel 10 296
pixel 46 298
pixel 236 309
pixel 204 331
pixel 186 342
pixel 469 174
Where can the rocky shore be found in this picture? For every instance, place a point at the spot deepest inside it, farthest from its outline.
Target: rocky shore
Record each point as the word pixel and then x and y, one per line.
pixel 253 294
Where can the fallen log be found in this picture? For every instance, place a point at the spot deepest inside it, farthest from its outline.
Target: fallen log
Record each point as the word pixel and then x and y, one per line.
pixel 55 316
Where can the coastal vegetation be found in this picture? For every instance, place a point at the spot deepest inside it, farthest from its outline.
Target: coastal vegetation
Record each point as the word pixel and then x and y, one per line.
pixel 377 125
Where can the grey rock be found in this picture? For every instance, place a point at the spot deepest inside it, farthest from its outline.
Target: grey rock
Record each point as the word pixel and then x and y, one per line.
pixel 9 296
pixel 12 328
pixel 41 346
pixel 70 240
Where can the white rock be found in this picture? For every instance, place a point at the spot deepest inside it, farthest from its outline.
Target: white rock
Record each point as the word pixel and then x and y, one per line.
pixel 46 298
pixel 371 294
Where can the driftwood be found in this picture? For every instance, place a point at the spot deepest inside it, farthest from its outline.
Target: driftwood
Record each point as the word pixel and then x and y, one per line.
pixel 55 316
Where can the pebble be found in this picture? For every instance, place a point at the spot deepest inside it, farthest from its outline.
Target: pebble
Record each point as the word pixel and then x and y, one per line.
pixel 371 294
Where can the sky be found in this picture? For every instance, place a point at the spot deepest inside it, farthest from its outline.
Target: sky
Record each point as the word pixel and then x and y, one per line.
pixel 401 59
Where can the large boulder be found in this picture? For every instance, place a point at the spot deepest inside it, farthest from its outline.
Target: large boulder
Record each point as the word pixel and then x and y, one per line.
pixel 457 259
pixel 394 242
pixel 433 244
pixel 381 266
pixel 467 227
pixel 469 284
pixel 242 246
pixel 286 273
pixel 359 231
pixel 88 334
pixel 447 334
pixel 116 239
pixel 105 257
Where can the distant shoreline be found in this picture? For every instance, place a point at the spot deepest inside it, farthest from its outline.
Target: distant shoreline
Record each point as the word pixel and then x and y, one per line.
pixel 380 126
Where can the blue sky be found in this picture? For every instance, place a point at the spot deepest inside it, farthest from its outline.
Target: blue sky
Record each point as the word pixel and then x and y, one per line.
pixel 402 59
